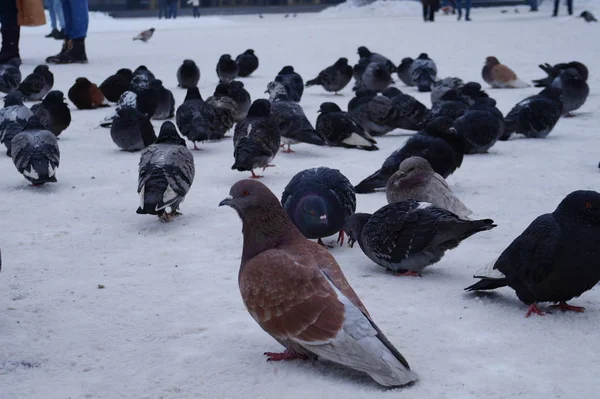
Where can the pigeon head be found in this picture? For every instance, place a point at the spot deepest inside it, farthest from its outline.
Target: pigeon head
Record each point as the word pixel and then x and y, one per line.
pixel 236 85
pixel 312 210
pixel 473 89
pixel 328 107
pixel 381 72
pixel 582 69
pixel 189 63
pixel 365 93
pixel 168 135
pixel 222 90
pixel 423 56
pixel 354 226
pixel 439 125
pixel 34 123
pixel 341 62
pixel 406 62
pixel 249 51
pixel 127 112
pixel 260 108
pixel 287 70
pixel 54 97
pixel 41 69
pixel 391 92
pixel 276 91
pixel 570 74
pixel 580 205
pixel 413 172
pixel 491 61
pixel 225 57
pixel 141 68
pixel 193 93
pixel 413 165
pixel 125 72
pixel 364 52
pixel 13 98
pixel 84 82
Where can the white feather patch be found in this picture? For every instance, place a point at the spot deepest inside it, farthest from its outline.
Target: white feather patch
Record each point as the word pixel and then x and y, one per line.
pixel 355 139
pixel 51 170
pixel 169 195
pixel 31 173
pixel 488 272
pixel 424 205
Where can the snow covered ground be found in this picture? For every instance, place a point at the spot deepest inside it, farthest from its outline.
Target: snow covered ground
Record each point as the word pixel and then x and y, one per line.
pixel 170 322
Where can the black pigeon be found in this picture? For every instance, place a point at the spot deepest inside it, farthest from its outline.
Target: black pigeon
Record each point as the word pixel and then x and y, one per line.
pixel 227 69
pixel 555 259
pixel 574 90
pixel 554 70
pixel 333 78
pixel 247 63
pixel 289 116
pixel 411 112
pixel 145 35
pixel 377 114
pixel 13 118
pixel 166 173
pixel 319 201
pixel 256 139
pixel 115 85
pixel 340 130
pixel 451 105
pixel 423 72
pixel 407 236
pixel 536 116
pixel 439 143
pixel 443 86
pixel 86 95
pixel 235 90
pixel 53 112
pixel 36 85
pixel 404 71
pixel 472 92
pixel 165 102
pixel 10 76
pixel 131 130
pixel 367 56
pixel 376 77
pixel 35 153
pixel 188 74
pixel 141 78
pixel 292 81
pixel 588 16
pixel 481 127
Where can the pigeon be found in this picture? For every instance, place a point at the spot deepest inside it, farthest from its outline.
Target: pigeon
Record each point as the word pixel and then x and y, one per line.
pixel 188 74
pixel 554 71
pixel 235 90
pixel 35 153
pixel 424 72
pixel 405 237
pixel 439 143
pixel 145 97
pixel 588 16
pixel 293 83
pixel 36 85
pixel 166 173
pixel 340 130
pixel 412 113
pixel 10 76
pixel 53 112
pixel 127 99
pixel 145 35
pixel 443 86
pixel 574 90
pixel 141 78
pixel 416 180
pixel 318 201
pixel 333 78
pixel 13 118
pixel 86 95
pixel 376 78
pixel 481 127
pixel 131 130
pixel 256 139
pixel 404 71
pixel 115 85
pixel 536 116
pixel 294 126
pixel 500 76
pixel 377 114
pixel 555 259
pixel 227 69
pixel 471 92
pixel 165 102
pixel 451 105
pixel 366 54
pixel 247 63
pixel 295 290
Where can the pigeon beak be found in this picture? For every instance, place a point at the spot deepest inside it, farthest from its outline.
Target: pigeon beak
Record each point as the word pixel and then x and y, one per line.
pixel 266 91
pixel 226 201
pixel 323 219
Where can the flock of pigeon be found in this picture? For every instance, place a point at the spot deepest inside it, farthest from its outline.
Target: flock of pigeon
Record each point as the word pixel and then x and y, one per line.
pixel 292 286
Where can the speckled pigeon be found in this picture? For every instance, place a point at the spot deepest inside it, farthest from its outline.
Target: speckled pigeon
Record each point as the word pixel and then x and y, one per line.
pixel 443 86
pixel 481 127
pixel 235 90
pixel 376 77
pixel 131 130
pixel 424 72
pixel 13 118
pixel 536 116
pixel 53 112
pixel 227 69
pixel 165 102
pixel 412 113
pixel 333 78
pixel 36 85
pixel 340 130
pixel 377 114
pixel 10 76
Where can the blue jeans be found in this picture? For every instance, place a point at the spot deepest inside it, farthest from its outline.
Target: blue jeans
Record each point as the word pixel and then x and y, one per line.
pixel 466 3
pixel 55 10
pixel 172 13
pixel 76 18
pixel 533 4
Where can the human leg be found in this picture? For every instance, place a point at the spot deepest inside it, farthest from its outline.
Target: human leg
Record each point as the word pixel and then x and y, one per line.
pixel 556 4
pixel 11 32
pixel 570 6
pixel 76 25
pixel 467 4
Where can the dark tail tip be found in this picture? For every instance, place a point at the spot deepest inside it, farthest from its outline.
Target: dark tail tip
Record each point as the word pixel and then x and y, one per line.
pixel 370 184
pixel 487 284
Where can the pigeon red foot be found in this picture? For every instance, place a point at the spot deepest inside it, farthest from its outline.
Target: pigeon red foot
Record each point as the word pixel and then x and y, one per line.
pixel 196 148
pixel 269 166
pixel 289 149
pixel 533 308
pixel 285 355
pixel 565 307
pixel 341 238
pixel 407 273
pixel 255 176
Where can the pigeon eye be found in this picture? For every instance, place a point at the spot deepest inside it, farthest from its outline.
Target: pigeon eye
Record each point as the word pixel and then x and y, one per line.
pixel 588 205
pixel 245 193
pixel 312 213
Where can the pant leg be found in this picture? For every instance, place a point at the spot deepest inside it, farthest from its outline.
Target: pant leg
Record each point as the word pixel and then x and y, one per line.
pixel 76 18
pixel 467 5
pixel 425 12
pixel 556 4
pixel 8 14
pixel 58 10
pixel 533 4
pixel 570 6
pixel 431 13
pixel 49 4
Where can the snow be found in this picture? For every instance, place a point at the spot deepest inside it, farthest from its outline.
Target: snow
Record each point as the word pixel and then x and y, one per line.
pixel 99 302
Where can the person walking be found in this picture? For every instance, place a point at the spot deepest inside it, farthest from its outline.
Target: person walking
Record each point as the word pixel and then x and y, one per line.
pixel 534 5
pixel 172 13
pixel 163 9
pixel 55 10
pixel 467 6
pixel 11 31
pixel 76 27
pixel 195 7
pixel 569 7
pixel 429 9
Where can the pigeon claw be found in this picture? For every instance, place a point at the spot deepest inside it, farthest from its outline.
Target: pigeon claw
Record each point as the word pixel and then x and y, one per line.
pixel 407 273
pixel 533 308
pixel 341 238
pixel 320 242
pixel 285 355
pixel 255 176
pixel 565 307
pixel 289 149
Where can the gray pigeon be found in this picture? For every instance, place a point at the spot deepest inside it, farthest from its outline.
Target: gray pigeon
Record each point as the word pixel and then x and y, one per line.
pixel 292 81
pixel 166 173
pixel 13 118
pixel 406 237
pixel 417 180
pixel 443 86
pixel 131 130
pixel 235 90
pixel 574 90
pixel 536 116
pixel 141 78
pixel 411 112
pixel 36 85
pixel 188 74
pixel 294 126
pixel 227 69
pixel 555 259
pixel 340 130
pixel 376 78
pixel 35 153
pixel 588 16
pixel 424 72
pixel 10 76
pixel 481 126
pixel 377 114
pixel 53 112
pixel 165 102
pixel 127 99
pixel 145 35
pixel 367 56
pixel 256 139
pixel 333 78
pixel 247 63
pixel 451 105
pixel 404 70
pixel 318 201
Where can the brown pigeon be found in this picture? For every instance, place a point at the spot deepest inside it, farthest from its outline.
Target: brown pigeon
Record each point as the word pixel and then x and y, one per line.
pixel 296 292
pixel 500 76
pixel 145 35
pixel 86 95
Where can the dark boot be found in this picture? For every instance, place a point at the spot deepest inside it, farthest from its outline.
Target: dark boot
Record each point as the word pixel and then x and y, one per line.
pixel 75 54
pixel 59 35
pixel 570 6
pixel 467 18
pixel 65 47
pixel 51 34
pixel 10 45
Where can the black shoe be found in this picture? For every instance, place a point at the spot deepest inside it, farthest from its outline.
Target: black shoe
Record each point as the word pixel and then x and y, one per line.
pixel 59 34
pixel 52 34
pixel 75 54
pixel 65 47
pixel 10 45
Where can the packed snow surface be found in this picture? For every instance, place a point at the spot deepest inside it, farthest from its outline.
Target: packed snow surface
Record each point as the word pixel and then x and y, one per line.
pixel 99 302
